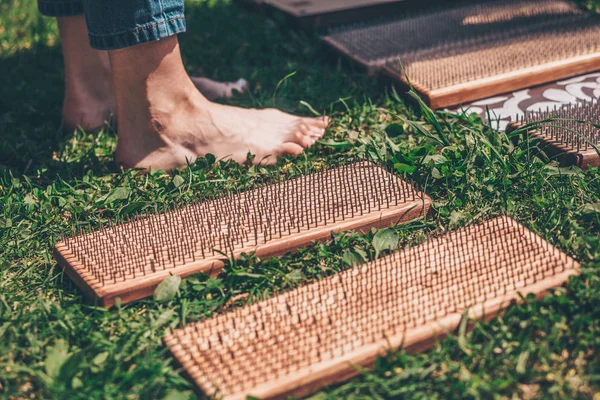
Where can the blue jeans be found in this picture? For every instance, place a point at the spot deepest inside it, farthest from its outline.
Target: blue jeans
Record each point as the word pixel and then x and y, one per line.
pixel 115 24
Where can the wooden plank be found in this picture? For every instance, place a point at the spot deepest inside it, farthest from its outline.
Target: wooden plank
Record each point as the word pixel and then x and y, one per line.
pixel 128 261
pixel 502 83
pixel 296 343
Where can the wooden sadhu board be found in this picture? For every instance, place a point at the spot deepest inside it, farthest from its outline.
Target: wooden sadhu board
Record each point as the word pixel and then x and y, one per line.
pixel 317 335
pixel 323 13
pixel 128 261
pixel 455 54
pixel 569 134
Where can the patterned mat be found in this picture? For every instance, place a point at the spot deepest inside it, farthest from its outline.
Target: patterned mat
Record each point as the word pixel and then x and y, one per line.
pixel 506 107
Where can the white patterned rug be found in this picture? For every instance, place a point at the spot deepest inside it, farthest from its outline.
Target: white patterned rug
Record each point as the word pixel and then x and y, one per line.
pixel 502 109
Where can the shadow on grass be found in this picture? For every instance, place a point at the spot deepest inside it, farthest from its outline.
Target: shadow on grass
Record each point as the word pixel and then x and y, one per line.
pixel 30 107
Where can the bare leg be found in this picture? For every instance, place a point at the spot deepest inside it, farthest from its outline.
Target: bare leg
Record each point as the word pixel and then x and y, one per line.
pixel 89 95
pixel 165 122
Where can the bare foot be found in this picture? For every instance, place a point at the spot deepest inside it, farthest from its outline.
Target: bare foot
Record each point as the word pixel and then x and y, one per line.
pixel 89 103
pixel 89 94
pixel 178 135
pixel 165 122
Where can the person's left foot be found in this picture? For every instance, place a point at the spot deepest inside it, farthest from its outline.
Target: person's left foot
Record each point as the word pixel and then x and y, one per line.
pixel 89 95
pixel 213 90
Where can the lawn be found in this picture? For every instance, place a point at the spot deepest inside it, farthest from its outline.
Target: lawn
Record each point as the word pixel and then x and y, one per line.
pixel 55 345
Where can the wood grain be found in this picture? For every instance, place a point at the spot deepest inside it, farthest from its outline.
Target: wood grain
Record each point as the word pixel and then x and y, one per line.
pixel 317 335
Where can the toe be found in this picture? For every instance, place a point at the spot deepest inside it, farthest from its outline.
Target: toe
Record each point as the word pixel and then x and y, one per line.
pixel 238 86
pixel 241 85
pixel 320 122
pixel 289 148
pixel 303 140
pixel 312 131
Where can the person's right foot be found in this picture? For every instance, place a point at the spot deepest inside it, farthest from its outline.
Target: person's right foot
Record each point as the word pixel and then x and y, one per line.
pixel 180 132
pixel 164 122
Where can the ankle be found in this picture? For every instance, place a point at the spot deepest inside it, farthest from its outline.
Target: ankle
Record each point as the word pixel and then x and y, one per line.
pixel 150 68
pixel 152 86
pixel 89 95
pixel 88 103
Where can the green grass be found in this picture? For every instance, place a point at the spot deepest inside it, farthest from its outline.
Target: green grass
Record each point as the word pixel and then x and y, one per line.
pixel 54 345
pixel 591 5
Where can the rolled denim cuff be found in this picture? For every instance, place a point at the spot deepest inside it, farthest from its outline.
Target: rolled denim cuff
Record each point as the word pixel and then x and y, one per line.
pixel 60 8
pixel 144 34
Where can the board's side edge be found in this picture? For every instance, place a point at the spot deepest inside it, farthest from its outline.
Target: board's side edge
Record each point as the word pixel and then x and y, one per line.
pixel 183 360
pixel 520 79
pixel 76 274
pixel 406 84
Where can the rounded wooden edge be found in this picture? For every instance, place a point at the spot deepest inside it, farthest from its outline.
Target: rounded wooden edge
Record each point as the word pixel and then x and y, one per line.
pixel 89 285
pixel 515 80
